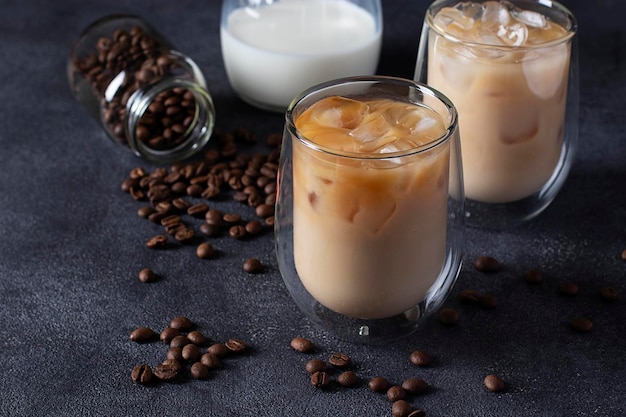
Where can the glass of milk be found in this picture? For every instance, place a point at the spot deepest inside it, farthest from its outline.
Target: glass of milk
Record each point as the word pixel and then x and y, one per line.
pixel 275 49
pixel 510 68
pixel 369 218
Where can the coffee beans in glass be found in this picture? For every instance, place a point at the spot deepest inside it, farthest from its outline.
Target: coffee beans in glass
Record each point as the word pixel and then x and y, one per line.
pixel 369 217
pixel 146 95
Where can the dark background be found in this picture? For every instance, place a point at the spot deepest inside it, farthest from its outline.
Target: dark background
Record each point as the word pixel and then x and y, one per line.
pixel 71 246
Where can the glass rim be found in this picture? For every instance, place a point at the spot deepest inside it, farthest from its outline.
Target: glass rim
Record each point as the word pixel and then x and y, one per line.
pixel 451 124
pixel 547 4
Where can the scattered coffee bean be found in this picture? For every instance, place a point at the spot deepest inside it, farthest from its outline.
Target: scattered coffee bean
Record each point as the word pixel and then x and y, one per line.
pixel 141 374
pixel 401 408
pixel 395 393
pixel 581 325
pixel 320 379
pixel 420 357
pixel 198 210
pixel 175 353
pixel 265 210
pixel 417 413
pixel 415 386
pixel 175 363
pixel 167 371
pixel 145 211
pixel 254 227
pixel 191 353
pixel 237 232
pixel 197 338
pixel 534 276
pixel 199 371
pixel 179 341
pixel 449 316
pixel 231 218
pixel 204 250
pixel 568 288
pixel 379 384
pixel 623 256
pixel 469 296
pixel 494 383
pixel 315 365
pixel 218 349
pixel 236 345
pixel 488 301
pixel 302 345
pixel 253 266
pixel 487 264
pixel 157 242
pixel 211 361
pixel 147 275
pixel 340 360
pixel 181 323
pixel 608 294
pixel 348 379
pixel 168 334
pixel 142 334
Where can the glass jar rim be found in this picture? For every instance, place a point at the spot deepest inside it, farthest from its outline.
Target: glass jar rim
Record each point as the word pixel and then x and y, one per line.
pixel 451 122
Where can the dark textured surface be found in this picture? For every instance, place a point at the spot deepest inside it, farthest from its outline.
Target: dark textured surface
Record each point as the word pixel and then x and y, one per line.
pixel 72 246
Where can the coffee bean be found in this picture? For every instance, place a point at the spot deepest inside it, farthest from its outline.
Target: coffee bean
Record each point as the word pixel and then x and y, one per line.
pixel 254 227
pixel 302 345
pixel 315 365
pixel 198 210
pixel 167 371
pixel 568 288
pixel 175 353
pixel 175 363
pixel 147 275
pixel 211 361
pixel 623 256
pixel 469 296
pixel 142 334
pixel 214 217
pixel 179 341
pixel 181 323
pixel 204 250
pixel 401 408
pixel 236 345
pixel 348 379
pixel 420 357
pixel 320 379
pixel 253 266
pixel 417 413
pixel 488 301
pixel 168 334
pixel 581 325
pixel 264 210
pixel 197 338
pixel 184 235
pixel 141 374
pixel 608 294
pixel 157 242
pixel 395 393
pixel 191 353
pixel 218 349
pixel 449 316
pixel 379 384
pixel 534 276
pixel 415 386
pixel 494 383
pixel 340 360
pixel 199 371
pixel 487 264
pixel 145 211
pixel 231 218
pixel 237 232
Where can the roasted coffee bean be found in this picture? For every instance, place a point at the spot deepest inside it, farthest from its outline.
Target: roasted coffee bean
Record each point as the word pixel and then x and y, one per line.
pixel 420 357
pixel 214 217
pixel 181 323
pixel 184 235
pixel 204 250
pixel 142 334
pixel 191 353
pixel 379 384
pixel 231 218
pixel 623 256
pixel 198 210
pixel 147 275
pixel 494 383
pixel 608 294
pixel 210 230
pixel 236 345
pixel 396 393
pixel 218 349
pixel 237 232
pixel 253 266
pixel 469 296
pixel 269 221
pixel 181 204
pixel 211 361
pixel 175 363
pixel 175 353
pixel 179 187
pixel 534 276
pixel 167 372
pixel 179 341
pixel 488 301
pixel 194 190
pixel 157 242
pixel 156 217
pixel 449 316
pixel 254 227
pixel 141 374
pixel 274 139
pixel 302 345
pixel 487 264
pixel 197 338
pixel 568 288
pixel 320 379
pixel 164 207
pixel 199 371
pixel 401 408
pixel 581 325
pixel 417 413
pixel 168 334
pixel 145 211
pixel 264 210
pixel 348 379
pixel 340 360
pixel 415 386
pixel 315 365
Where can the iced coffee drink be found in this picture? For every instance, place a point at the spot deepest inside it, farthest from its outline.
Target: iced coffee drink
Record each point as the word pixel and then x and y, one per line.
pixel 506 71
pixel 370 192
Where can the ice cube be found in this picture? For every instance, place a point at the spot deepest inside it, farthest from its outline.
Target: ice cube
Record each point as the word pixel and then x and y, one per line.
pixel 495 13
pixel 546 72
pixel 530 18
pixel 514 34
pixel 371 133
pixel 339 112
pixel 454 20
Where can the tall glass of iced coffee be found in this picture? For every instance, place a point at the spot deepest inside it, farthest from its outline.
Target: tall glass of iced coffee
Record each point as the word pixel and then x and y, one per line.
pixel 369 217
pixel 510 69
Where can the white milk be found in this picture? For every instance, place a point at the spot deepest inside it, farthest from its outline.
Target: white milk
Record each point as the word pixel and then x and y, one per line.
pixel 274 52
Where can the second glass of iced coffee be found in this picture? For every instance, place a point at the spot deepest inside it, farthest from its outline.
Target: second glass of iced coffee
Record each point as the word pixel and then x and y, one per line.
pixel 510 69
pixel 369 219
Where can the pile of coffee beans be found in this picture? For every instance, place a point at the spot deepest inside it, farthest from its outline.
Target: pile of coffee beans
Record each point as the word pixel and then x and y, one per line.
pixel 181 196
pixel 189 352
pixel 137 59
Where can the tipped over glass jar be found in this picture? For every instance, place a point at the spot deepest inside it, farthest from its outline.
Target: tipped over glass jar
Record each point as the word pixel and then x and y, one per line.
pixel 146 95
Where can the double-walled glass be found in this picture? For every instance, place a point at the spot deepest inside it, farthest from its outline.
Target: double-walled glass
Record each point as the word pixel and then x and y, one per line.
pixel 510 68
pixel 369 242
